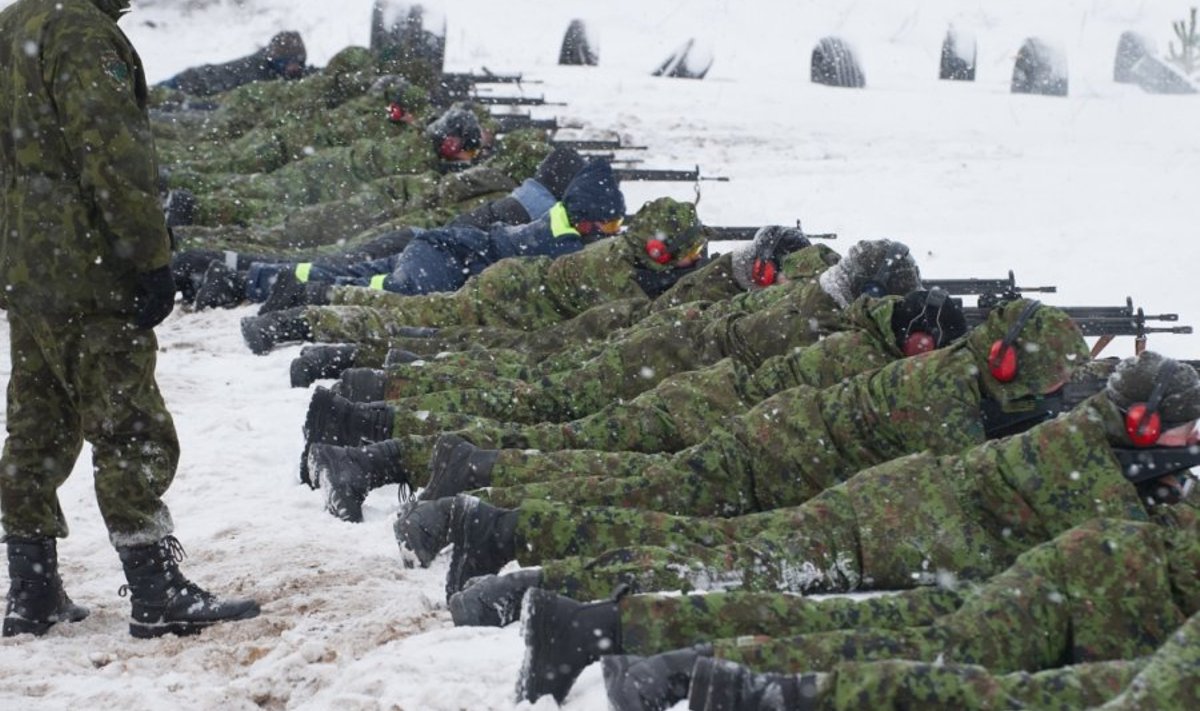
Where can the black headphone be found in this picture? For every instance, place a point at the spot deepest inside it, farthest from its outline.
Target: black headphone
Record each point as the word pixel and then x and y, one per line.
pixel 876 287
pixel 928 338
pixel 1002 359
pixel 1143 423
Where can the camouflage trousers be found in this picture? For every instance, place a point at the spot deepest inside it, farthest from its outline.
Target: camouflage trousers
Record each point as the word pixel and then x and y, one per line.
pixel 891 527
pixel 86 378
pixel 902 684
pixel 1104 590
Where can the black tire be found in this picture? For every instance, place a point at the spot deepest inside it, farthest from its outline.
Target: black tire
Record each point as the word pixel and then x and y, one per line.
pixel 1131 47
pixel 834 64
pixel 577 49
pixel 1039 69
pixel 682 65
pixel 955 65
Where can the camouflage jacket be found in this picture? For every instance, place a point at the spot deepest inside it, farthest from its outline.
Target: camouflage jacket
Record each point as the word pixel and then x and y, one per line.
pixel 79 211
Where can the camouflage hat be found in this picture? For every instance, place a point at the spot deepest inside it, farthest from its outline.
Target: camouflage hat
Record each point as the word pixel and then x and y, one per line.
pixel 287 46
pixel 1134 379
pixel 1049 347
pixel 349 74
pixel 665 230
pixel 455 130
pixel 404 99
pixel 350 60
pixel 880 267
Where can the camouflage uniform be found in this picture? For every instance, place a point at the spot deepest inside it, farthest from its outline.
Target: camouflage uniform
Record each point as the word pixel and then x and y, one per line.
pixel 798 442
pixel 892 526
pixel 533 293
pixel 79 221
pixel 1108 589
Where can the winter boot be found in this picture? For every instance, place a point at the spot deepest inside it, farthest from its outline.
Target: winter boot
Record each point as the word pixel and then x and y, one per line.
pixel 262 333
pixel 318 362
pixel 399 356
pixel 484 539
pixel 221 286
pixel 188 268
pixel 656 682
pixel 363 385
pixel 423 529
pixel 348 474
pixel 562 637
pixel 722 685
pixel 492 600
pixel 287 292
pixel 457 466
pixel 180 207
pixel 164 601
pixel 36 599
pixel 332 419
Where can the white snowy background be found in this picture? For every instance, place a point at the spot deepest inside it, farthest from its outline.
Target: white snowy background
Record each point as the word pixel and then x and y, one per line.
pixel 1095 193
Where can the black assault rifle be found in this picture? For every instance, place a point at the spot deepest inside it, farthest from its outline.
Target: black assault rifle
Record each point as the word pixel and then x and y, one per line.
pixel 507 123
pixel 1104 322
pixel 461 84
pixel 649 174
pixel 991 292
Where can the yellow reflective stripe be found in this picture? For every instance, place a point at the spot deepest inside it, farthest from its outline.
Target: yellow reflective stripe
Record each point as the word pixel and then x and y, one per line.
pixel 377 281
pixel 560 224
pixel 303 269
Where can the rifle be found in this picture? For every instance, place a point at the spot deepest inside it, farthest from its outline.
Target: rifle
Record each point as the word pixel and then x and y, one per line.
pixel 489 100
pixel 747 233
pixel 991 292
pixel 597 145
pixel 460 83
pixel 648 174
pixel 1104 322
pixel 507 123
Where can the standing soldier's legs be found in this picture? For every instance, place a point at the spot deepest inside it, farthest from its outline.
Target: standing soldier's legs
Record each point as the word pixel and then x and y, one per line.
pixel 135 449
pixel 44 434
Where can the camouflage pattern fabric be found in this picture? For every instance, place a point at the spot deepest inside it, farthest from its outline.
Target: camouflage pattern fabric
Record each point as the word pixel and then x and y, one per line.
pixel 796 443
pixel 79 220
pixel 79 215
pixel 893 526
pixel 1104 590
pixel 1168 679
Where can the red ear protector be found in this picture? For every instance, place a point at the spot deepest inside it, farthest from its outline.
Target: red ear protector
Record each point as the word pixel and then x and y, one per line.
pixel 658 251
pixel 397 114
pixel 451 146
pixel 918 342
pixel 1143 424
pixel 763 272
pixel 876 287
pixel 1002 359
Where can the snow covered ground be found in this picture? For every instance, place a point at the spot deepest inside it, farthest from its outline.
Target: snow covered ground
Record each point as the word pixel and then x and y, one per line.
pixel 1093 193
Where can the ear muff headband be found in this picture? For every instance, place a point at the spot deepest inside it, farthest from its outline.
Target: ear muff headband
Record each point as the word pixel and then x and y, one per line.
pixel 1143 423
pixel 927 339
pixel 876 287
pixel 1002 359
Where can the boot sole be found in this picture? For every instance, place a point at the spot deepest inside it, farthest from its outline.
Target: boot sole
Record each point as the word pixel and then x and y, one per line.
pixel 184 629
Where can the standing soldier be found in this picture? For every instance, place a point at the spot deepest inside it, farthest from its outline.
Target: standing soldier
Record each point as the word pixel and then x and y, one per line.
pixel 84 258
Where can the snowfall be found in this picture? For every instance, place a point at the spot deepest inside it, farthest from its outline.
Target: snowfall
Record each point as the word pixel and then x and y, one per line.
pixel 1094 193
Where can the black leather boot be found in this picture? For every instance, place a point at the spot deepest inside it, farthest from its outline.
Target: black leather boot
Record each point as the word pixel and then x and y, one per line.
pixel 347 474
pixel 36 599
pixel 457 466
pixel 321 361
pixel 166 602
pixel 492 600
pixel 484 539
pixel 363 384
pixel 562 637
pixel 221 286
pixel 332 419
pixel 262 333
pixel 656 682
pixel 721 685
pixel 422 529
pixel 286 293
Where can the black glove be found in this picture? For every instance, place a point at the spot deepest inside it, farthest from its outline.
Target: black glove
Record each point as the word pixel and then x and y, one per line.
pixel 155 297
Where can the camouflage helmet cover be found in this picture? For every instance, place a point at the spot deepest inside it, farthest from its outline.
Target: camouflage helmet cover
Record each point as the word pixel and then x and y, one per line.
pixel 883 261
pixel 1134 380
pixel 668 226
pixel 1049 347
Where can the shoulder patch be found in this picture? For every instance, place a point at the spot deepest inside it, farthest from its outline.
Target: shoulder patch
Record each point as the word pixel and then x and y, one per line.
pixel 115 68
